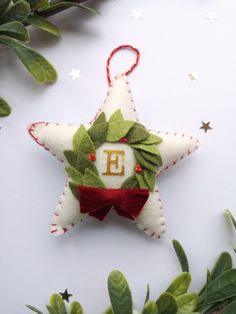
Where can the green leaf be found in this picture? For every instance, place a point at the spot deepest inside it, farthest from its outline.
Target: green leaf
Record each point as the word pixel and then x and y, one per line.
pixel 221 288
pixel 41 70
pixel 17 12
pixel 143 162
pixel 75 175
pixel 74 189
pixel 155 159
pixel 100 119
pixel 5 109
pixel 78 136
pixel 39 4
pixel 150 179
pixel 15 30
pixel 118 130
pixel 180 284
pixel 108 311
pixel 230 217
pixel 147 295
pixel 4 4
pixel 83 163
pixel 57 304
pixel 120 295
pixel 86 144
pixel 230 308
pixel 141 182
pixel 116 116
pixel 152 149
pixel 166 304
pixel 75 308
pixel 137 134
pixel 152 139
pixel 92 180
pixel 223 263
pixel 71 157
pixel 69 4
pixel 187 303
pixel 51 309
pixel 150 308
pixel 98 133
pixel 43 24
pixel 181 256
pixel 130 183
pixel 32 308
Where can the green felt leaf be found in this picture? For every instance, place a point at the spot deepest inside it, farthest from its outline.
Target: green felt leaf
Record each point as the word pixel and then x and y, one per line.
pixel 100 119
pixel 15 30
pixel 118 130
pixel 230 308
pixel 76 308
pixel 74 189
pixel 166 304
pixel 51 309
pixel 155 159
pixel 17 12
pixel 116 116
pixel 150 308
pixel 130 183
pixel 78 136
pixel 221 288
pixel 43 24
pixel 71 157
pixel 92 180
pixel 75 175
pixel 187 303
pixel 119 292
pixel 152 149
pixel 86 144
pixel 150 179
pixel 152 139
pixel 4 4
pixel 83 163
pixel 58 304
pixel 5 109
pixel 137 134
pixel 143 162
pixel 180 284
pixel 181 255
pixel 41 70
pixel 141 182
pixel 230 217
pixel 32 308
pixel 98 133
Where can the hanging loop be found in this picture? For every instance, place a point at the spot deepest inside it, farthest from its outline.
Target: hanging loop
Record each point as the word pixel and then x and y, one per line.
pixel 116 50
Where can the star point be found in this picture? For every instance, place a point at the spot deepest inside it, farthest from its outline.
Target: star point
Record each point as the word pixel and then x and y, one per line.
pixel 211 16
pixel 75 74
pixel 194 75
pixel 206 126
pixel 136 14
pixel 65 295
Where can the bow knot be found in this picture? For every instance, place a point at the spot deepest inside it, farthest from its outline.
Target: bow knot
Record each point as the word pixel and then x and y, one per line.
pixel 97 202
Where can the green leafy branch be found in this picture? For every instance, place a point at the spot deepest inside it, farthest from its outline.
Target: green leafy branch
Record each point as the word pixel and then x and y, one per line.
pixel 15 16
pixel 217 296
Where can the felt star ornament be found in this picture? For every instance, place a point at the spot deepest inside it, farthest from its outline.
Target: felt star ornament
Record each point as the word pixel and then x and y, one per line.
pixel 112 162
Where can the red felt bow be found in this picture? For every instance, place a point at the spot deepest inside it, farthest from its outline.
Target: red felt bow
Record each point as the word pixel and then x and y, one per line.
pixel 97 202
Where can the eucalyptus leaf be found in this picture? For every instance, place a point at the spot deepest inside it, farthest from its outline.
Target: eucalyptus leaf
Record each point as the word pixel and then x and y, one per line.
pixel 76 308
pixel 32 308
pixel 43 24
pixel 119 292
pixel 51 309
pixel 108 311
pixel 41 70
pixel 181 255
pixel 223 263
pixel 180 284
pixel 15 30
pixel 230 308
pixel 5 109
pixel 230 217
pixel 57 304
pixel 118 130
pixel 39 4
pixel 166 304
pixel 92 180
pixel 147 297
pixel 150 308
pixel 70 4
pixel 187 303
pixel 4 4
pixel 116 116
pixel 17 12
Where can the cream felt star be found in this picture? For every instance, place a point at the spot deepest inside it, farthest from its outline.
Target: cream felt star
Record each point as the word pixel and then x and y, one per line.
pixel 56 138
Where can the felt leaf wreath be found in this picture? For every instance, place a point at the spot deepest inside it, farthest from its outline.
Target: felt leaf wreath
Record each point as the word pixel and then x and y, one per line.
pixel 217 296
pixel 82 170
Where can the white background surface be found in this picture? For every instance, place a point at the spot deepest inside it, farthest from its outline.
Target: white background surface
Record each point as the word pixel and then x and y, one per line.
pixel 173 37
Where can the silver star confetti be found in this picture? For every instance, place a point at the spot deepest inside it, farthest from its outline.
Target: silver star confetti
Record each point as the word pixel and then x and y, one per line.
pixel 136 14
pixel 75 74
pixel 194 75
pixel 211 16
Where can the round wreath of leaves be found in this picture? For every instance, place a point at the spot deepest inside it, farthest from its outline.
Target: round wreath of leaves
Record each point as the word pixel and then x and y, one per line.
pixel 82 171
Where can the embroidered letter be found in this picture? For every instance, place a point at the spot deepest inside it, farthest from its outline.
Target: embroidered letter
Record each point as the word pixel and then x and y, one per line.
pixel 117 163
